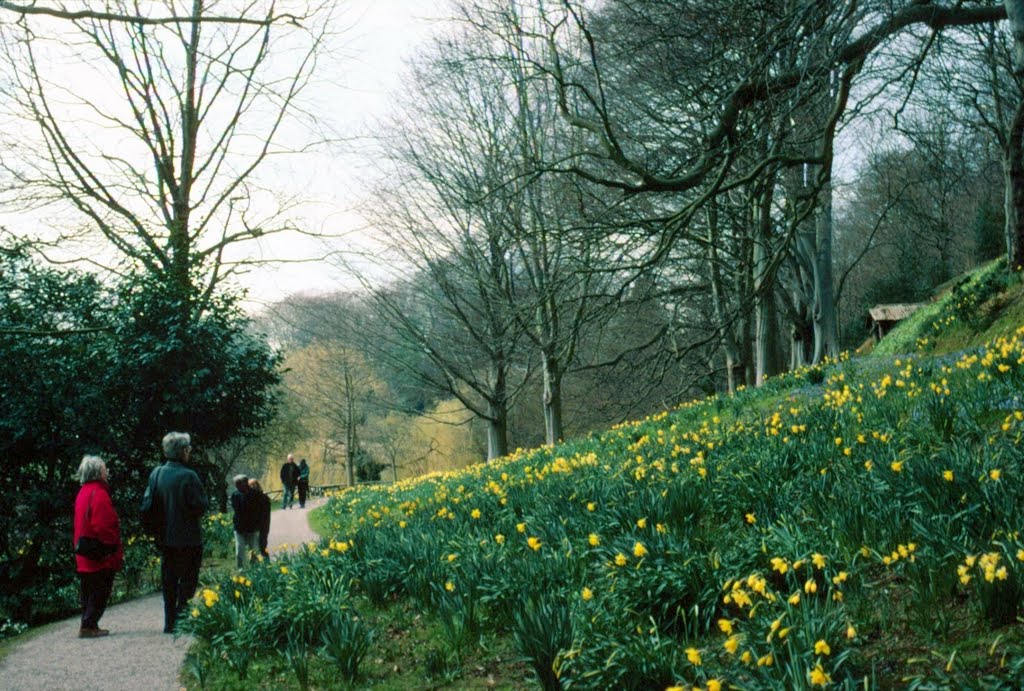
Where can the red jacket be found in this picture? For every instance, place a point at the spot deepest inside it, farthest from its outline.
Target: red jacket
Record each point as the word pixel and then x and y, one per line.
pixel 103 524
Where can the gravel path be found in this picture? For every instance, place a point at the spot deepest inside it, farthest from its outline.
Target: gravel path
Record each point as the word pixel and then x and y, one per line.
pixel 136 655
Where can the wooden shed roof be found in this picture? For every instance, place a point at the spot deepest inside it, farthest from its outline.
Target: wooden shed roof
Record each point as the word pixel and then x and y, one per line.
pixel 893 313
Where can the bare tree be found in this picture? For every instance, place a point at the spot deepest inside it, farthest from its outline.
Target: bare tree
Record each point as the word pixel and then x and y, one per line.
pixel 160 157
pixel 729 71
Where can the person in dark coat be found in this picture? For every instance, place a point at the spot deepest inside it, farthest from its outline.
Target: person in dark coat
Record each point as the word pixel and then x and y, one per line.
pixel 95 517
pixel 262 503
pixel 246 522
pixel 183 501
pixel 289 478
pixel 303 483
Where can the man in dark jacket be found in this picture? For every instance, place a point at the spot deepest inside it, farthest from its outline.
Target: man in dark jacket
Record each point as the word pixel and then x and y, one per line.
pixel 182 501
pixel 246 521
pixel 289 478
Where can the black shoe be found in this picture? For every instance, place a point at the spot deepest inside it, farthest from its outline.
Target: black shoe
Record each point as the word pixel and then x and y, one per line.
pixel 93 633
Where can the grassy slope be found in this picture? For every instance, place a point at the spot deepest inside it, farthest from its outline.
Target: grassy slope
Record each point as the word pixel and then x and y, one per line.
pixel 820 502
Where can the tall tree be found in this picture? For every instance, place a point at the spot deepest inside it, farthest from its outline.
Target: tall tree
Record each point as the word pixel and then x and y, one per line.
pixel 160 155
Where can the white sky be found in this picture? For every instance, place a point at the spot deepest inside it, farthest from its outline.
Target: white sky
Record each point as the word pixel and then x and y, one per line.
pixel 353 86
pixel 383 34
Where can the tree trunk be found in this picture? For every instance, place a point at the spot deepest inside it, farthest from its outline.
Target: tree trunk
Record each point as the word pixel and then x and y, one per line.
pixel 351 440
pixel 552 399
pixel 824 314
pixel 497 410
pixel 765 329
pixel 497 435
pixel 728 338
pixel 1013 180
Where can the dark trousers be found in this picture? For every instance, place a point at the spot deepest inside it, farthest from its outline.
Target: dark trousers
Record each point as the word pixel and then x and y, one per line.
pixel 179 578
pixel 96 587
pixel 303 490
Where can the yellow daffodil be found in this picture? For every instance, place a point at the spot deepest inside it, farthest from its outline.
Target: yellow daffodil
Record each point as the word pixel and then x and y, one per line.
pixel 693 655
pixel 620 559
pixel 587 594
pixel 594 539
pixel 534 543
pixel 947 475
pixel 725 626
pixel 639 551
pixel 821 647
pixel 819 677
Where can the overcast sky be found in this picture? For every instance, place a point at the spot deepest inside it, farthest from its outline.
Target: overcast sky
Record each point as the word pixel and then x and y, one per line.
pixel 382 35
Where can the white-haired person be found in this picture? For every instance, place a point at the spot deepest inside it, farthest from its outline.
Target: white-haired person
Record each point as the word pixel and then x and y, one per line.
pixel 97 540
pixel 178 492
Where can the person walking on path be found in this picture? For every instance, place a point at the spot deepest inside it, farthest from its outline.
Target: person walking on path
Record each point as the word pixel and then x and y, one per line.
pixel 246 522
pixel 136 656
pixel 303 483
pixel 289 477
pixel 96 518
pixel 182 501
pixel 262 502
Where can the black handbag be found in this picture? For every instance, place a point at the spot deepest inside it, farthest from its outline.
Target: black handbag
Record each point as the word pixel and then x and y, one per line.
pixel 91 547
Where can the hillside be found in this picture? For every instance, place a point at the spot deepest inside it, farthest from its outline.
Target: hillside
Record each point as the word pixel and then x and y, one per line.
pixel 852 524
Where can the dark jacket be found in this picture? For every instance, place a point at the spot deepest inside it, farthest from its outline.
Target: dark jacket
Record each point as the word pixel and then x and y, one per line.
pixel 184 502
pixel 246 508
pixel 95 517
pixel 289 474
pixel 262 503
pixel 303 472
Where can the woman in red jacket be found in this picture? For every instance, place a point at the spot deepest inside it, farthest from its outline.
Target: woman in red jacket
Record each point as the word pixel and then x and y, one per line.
pixel 95 517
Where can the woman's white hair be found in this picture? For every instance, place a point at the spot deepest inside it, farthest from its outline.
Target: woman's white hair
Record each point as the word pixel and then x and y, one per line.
pixel 175 444
pixel 90 469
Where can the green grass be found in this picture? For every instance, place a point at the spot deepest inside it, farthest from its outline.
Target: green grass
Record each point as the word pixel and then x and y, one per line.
pixel 319 520
pixel 405 655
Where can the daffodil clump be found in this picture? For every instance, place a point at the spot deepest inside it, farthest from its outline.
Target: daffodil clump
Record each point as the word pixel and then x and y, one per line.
pixel 741 540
